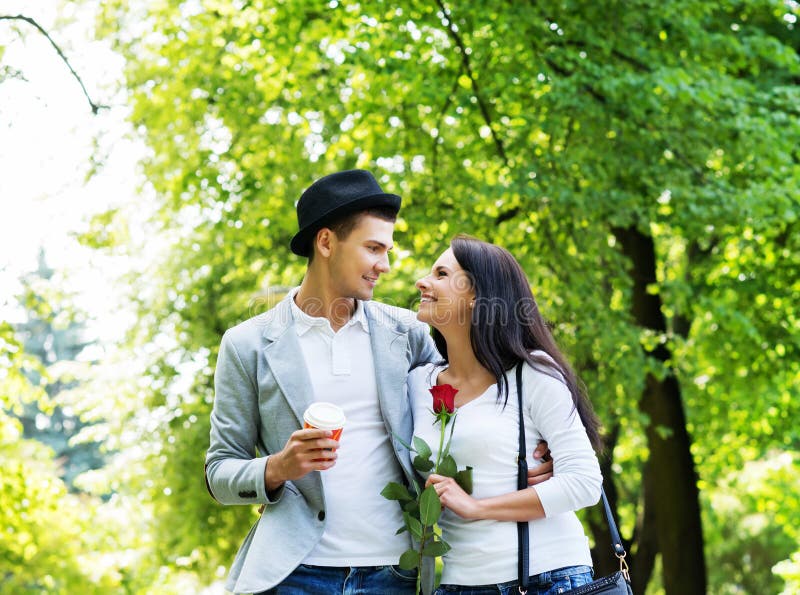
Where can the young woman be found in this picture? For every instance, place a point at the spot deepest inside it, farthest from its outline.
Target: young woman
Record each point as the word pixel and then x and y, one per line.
pixel 486 322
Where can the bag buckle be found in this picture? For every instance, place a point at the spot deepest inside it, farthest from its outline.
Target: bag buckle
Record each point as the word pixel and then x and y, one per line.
pixel 623 565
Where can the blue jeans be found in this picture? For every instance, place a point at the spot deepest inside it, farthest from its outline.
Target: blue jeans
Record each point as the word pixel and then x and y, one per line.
pixel 345 580
pixel 551 582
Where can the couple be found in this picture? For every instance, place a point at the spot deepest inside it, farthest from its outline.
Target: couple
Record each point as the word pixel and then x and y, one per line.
pixel 325 528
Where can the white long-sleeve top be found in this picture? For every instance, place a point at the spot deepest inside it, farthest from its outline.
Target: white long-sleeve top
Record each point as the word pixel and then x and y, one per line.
pixel 486 437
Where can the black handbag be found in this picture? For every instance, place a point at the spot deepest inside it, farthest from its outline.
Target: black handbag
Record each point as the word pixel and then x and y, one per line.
pixel 618 583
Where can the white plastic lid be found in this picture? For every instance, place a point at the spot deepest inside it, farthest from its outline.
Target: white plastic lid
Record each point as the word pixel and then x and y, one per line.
pixel 325 416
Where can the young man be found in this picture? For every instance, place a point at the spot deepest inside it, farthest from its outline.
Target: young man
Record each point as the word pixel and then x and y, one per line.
pixel 325 528
pixel 331 531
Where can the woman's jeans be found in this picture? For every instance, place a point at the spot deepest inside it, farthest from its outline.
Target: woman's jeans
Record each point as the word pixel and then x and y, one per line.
pixel 358 580
pixel 547 583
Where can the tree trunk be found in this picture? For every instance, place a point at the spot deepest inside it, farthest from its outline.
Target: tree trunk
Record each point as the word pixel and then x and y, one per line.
pixel 671 479
pixel 645 536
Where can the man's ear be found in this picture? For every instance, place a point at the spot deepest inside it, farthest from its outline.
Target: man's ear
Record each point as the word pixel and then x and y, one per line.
pixel 324 241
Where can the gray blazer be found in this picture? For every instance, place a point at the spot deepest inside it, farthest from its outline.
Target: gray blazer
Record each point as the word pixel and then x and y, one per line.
pixel 262 388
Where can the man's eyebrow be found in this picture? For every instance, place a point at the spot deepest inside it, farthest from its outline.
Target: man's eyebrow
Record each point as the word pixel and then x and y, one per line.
pixel 381 244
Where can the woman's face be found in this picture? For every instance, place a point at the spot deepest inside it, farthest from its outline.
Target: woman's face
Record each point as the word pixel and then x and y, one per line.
pixel 447 295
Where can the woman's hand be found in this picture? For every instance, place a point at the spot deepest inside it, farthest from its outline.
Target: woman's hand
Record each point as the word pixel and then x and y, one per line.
pixel 452 496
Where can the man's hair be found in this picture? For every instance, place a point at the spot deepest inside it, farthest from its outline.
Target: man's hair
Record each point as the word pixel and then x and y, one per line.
pixel 343 226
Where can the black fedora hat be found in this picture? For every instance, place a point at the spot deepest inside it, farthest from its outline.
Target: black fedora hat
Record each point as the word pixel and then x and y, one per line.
pixel 333 196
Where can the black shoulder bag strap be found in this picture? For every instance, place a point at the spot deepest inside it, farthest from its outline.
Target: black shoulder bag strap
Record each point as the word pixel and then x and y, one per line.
pixel 616 541
pixel 522 528
pixel 522 483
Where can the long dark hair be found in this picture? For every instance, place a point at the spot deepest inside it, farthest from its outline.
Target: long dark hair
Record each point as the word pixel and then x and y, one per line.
pixel 506 325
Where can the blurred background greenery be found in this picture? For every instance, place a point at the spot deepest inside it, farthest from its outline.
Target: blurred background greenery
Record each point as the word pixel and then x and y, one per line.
pixel 639 158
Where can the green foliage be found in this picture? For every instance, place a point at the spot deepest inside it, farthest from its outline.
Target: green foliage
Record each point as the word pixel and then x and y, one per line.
pixel 42 546
pixel 753 522
pixel 547 127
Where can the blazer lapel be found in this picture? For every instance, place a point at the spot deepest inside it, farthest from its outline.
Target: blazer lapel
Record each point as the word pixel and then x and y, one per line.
pixel 391 368
pixel 285 359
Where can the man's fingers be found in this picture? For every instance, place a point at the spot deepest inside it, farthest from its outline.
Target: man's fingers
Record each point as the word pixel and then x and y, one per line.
pixel 323 444
pixel 311 434
pixel 307 440
pixel 323 464
pixel 537 479
pixel 540 473
pixel 542 451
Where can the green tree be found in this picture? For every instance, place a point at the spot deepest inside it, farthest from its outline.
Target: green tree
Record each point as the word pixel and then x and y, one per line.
pixel 54 334
pixel 639 158
pixel 42 523
pixel 65 528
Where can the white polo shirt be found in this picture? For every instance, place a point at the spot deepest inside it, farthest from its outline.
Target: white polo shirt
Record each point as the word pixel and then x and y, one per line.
pixel 360 524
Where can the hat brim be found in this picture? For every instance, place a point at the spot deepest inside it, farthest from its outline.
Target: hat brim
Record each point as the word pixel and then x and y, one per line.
pixel 301 242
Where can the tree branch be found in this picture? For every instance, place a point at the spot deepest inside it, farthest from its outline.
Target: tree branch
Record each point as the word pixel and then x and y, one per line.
pixel 475 89
pixel 435 149
pixel 95 107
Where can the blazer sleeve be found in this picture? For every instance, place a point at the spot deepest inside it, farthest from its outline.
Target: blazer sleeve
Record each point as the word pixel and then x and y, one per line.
pixel 234 475
pixel 423 349
pixel 576 480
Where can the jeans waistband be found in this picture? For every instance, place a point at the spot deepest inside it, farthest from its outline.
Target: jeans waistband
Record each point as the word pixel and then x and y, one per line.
pixel 547 577
pixel 334 568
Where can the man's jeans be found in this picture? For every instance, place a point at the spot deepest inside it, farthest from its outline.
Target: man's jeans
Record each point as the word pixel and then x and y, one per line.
pixel 546 583
pixel 361 580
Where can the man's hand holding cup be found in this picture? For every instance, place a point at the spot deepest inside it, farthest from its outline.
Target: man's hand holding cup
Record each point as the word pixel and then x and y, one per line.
pixel 311 449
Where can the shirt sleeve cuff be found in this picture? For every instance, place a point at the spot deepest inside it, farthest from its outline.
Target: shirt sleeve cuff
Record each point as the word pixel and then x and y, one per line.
pixel 551 498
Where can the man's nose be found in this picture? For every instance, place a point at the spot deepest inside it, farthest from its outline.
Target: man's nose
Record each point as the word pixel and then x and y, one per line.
pixel 383 265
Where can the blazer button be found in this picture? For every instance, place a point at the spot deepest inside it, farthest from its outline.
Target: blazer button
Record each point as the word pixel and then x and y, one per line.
pixel 321 515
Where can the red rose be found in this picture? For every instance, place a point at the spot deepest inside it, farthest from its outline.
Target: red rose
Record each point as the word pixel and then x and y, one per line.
pixel 444 398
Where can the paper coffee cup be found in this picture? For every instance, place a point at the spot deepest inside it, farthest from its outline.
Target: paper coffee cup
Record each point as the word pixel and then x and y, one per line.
pixel 325 416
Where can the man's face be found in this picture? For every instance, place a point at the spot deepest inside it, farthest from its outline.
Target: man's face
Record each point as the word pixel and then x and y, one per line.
pixel 357 261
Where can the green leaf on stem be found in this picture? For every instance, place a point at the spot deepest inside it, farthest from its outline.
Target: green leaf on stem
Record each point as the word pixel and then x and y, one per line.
pixel 412 508
pixel 448 467
pixel 435 549
pixel 402 529
pixel 422 448
pixel 413 524
pixel 429 506
pixel 396 491
pixel 422 464
pixel 464 479
pixel 409 560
